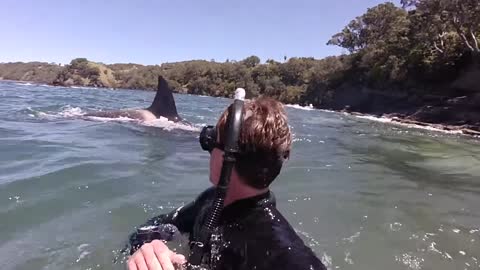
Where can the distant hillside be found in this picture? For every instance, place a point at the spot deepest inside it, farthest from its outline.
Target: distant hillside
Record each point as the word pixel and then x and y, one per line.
pixel 85 73
pixel 33 71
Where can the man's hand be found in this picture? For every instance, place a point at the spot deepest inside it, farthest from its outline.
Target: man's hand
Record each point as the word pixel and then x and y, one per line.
pixel 155 256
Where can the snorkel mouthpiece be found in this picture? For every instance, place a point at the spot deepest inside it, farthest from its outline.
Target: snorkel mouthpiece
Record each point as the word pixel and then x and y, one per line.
pixel 233 127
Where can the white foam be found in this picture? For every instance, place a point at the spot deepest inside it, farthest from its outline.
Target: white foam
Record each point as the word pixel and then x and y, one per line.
pixel 297 106
pixel 327 260
pixel 69 111
pixel 82 247
pixel 351 239
pixel 347 258
pixel 433 248
pixel 395 226
pixel 374 118
pixel 447 256
pixel 83 87
pixel 411 261
pixel 66 111
pixel 83 253
pixel 391 121
pixel 116 119
pixel 24 84
pixel 164 123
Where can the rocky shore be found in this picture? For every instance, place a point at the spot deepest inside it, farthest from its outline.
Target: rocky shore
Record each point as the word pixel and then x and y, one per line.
pixel 451 107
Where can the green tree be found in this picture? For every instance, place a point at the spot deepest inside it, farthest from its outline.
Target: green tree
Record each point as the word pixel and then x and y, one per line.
pixel 381 38
pixel 444 17
pixel 251 61
pixel 382 25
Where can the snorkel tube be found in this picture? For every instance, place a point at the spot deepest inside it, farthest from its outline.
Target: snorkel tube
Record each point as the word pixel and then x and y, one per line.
pixel 233 128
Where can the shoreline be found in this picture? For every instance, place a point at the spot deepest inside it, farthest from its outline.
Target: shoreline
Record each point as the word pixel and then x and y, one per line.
pixel 444 128
pixel 389 118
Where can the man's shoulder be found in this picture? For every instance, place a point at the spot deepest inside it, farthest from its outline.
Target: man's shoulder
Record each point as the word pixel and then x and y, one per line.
pixel 276 238
pixel 205 195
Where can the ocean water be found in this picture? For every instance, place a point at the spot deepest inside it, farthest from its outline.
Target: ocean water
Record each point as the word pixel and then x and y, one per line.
pixel 362 194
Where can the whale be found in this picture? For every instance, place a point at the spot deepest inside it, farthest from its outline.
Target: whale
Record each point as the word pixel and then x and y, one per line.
pixel 163 105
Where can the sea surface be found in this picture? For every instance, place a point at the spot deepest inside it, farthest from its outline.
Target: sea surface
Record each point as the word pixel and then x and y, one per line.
pixel 362 194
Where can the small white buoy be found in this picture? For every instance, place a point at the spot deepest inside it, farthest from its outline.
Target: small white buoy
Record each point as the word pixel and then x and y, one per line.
pixel 240 94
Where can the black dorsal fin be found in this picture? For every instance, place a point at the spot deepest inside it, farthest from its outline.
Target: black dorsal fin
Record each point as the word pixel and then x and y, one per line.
pixel 164 103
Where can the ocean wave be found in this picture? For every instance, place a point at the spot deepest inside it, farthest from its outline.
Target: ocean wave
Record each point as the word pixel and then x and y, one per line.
pixel 374 118
pixel 84 87
pixel 297 106
pixel 24 84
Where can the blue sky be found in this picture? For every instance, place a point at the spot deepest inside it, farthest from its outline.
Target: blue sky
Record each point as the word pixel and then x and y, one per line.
pixel 155 31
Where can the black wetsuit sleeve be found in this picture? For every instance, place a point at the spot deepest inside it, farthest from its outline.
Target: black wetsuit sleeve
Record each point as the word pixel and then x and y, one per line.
pixel 300 260
pixel 182 218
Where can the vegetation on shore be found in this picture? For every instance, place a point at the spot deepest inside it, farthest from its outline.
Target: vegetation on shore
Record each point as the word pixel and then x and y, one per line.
pixel 400 60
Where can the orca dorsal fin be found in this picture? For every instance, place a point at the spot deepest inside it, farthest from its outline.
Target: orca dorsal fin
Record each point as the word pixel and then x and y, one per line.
pixel 164 103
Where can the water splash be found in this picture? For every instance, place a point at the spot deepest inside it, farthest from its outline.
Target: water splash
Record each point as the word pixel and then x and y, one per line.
pixel 411 261
pixel 396 226
pixel 269 212
pixel 347 257
pixel 83 253
pixel 352 238
pixel 327 260
pixel 66 111
pixel 24 84
pixel 217 245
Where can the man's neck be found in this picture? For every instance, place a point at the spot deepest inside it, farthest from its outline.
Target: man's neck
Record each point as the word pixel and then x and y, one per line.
pixel 238 191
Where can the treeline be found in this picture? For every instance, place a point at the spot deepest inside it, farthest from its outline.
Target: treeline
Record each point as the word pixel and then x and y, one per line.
pixel 286 81
pixel 418 49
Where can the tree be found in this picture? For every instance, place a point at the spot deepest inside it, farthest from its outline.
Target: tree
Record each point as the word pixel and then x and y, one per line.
pixel 382 25
pixel 443 17
pixel 380 39
pixel 251 61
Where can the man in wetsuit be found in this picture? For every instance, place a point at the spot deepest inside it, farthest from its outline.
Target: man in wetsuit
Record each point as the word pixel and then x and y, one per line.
pixel 252 233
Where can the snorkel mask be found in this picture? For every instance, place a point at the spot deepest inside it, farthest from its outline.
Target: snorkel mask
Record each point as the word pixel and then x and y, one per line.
pixel 208 138
pixel 208 141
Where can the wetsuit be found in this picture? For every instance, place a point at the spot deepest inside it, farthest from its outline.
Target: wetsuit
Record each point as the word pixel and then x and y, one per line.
pixel 252 234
